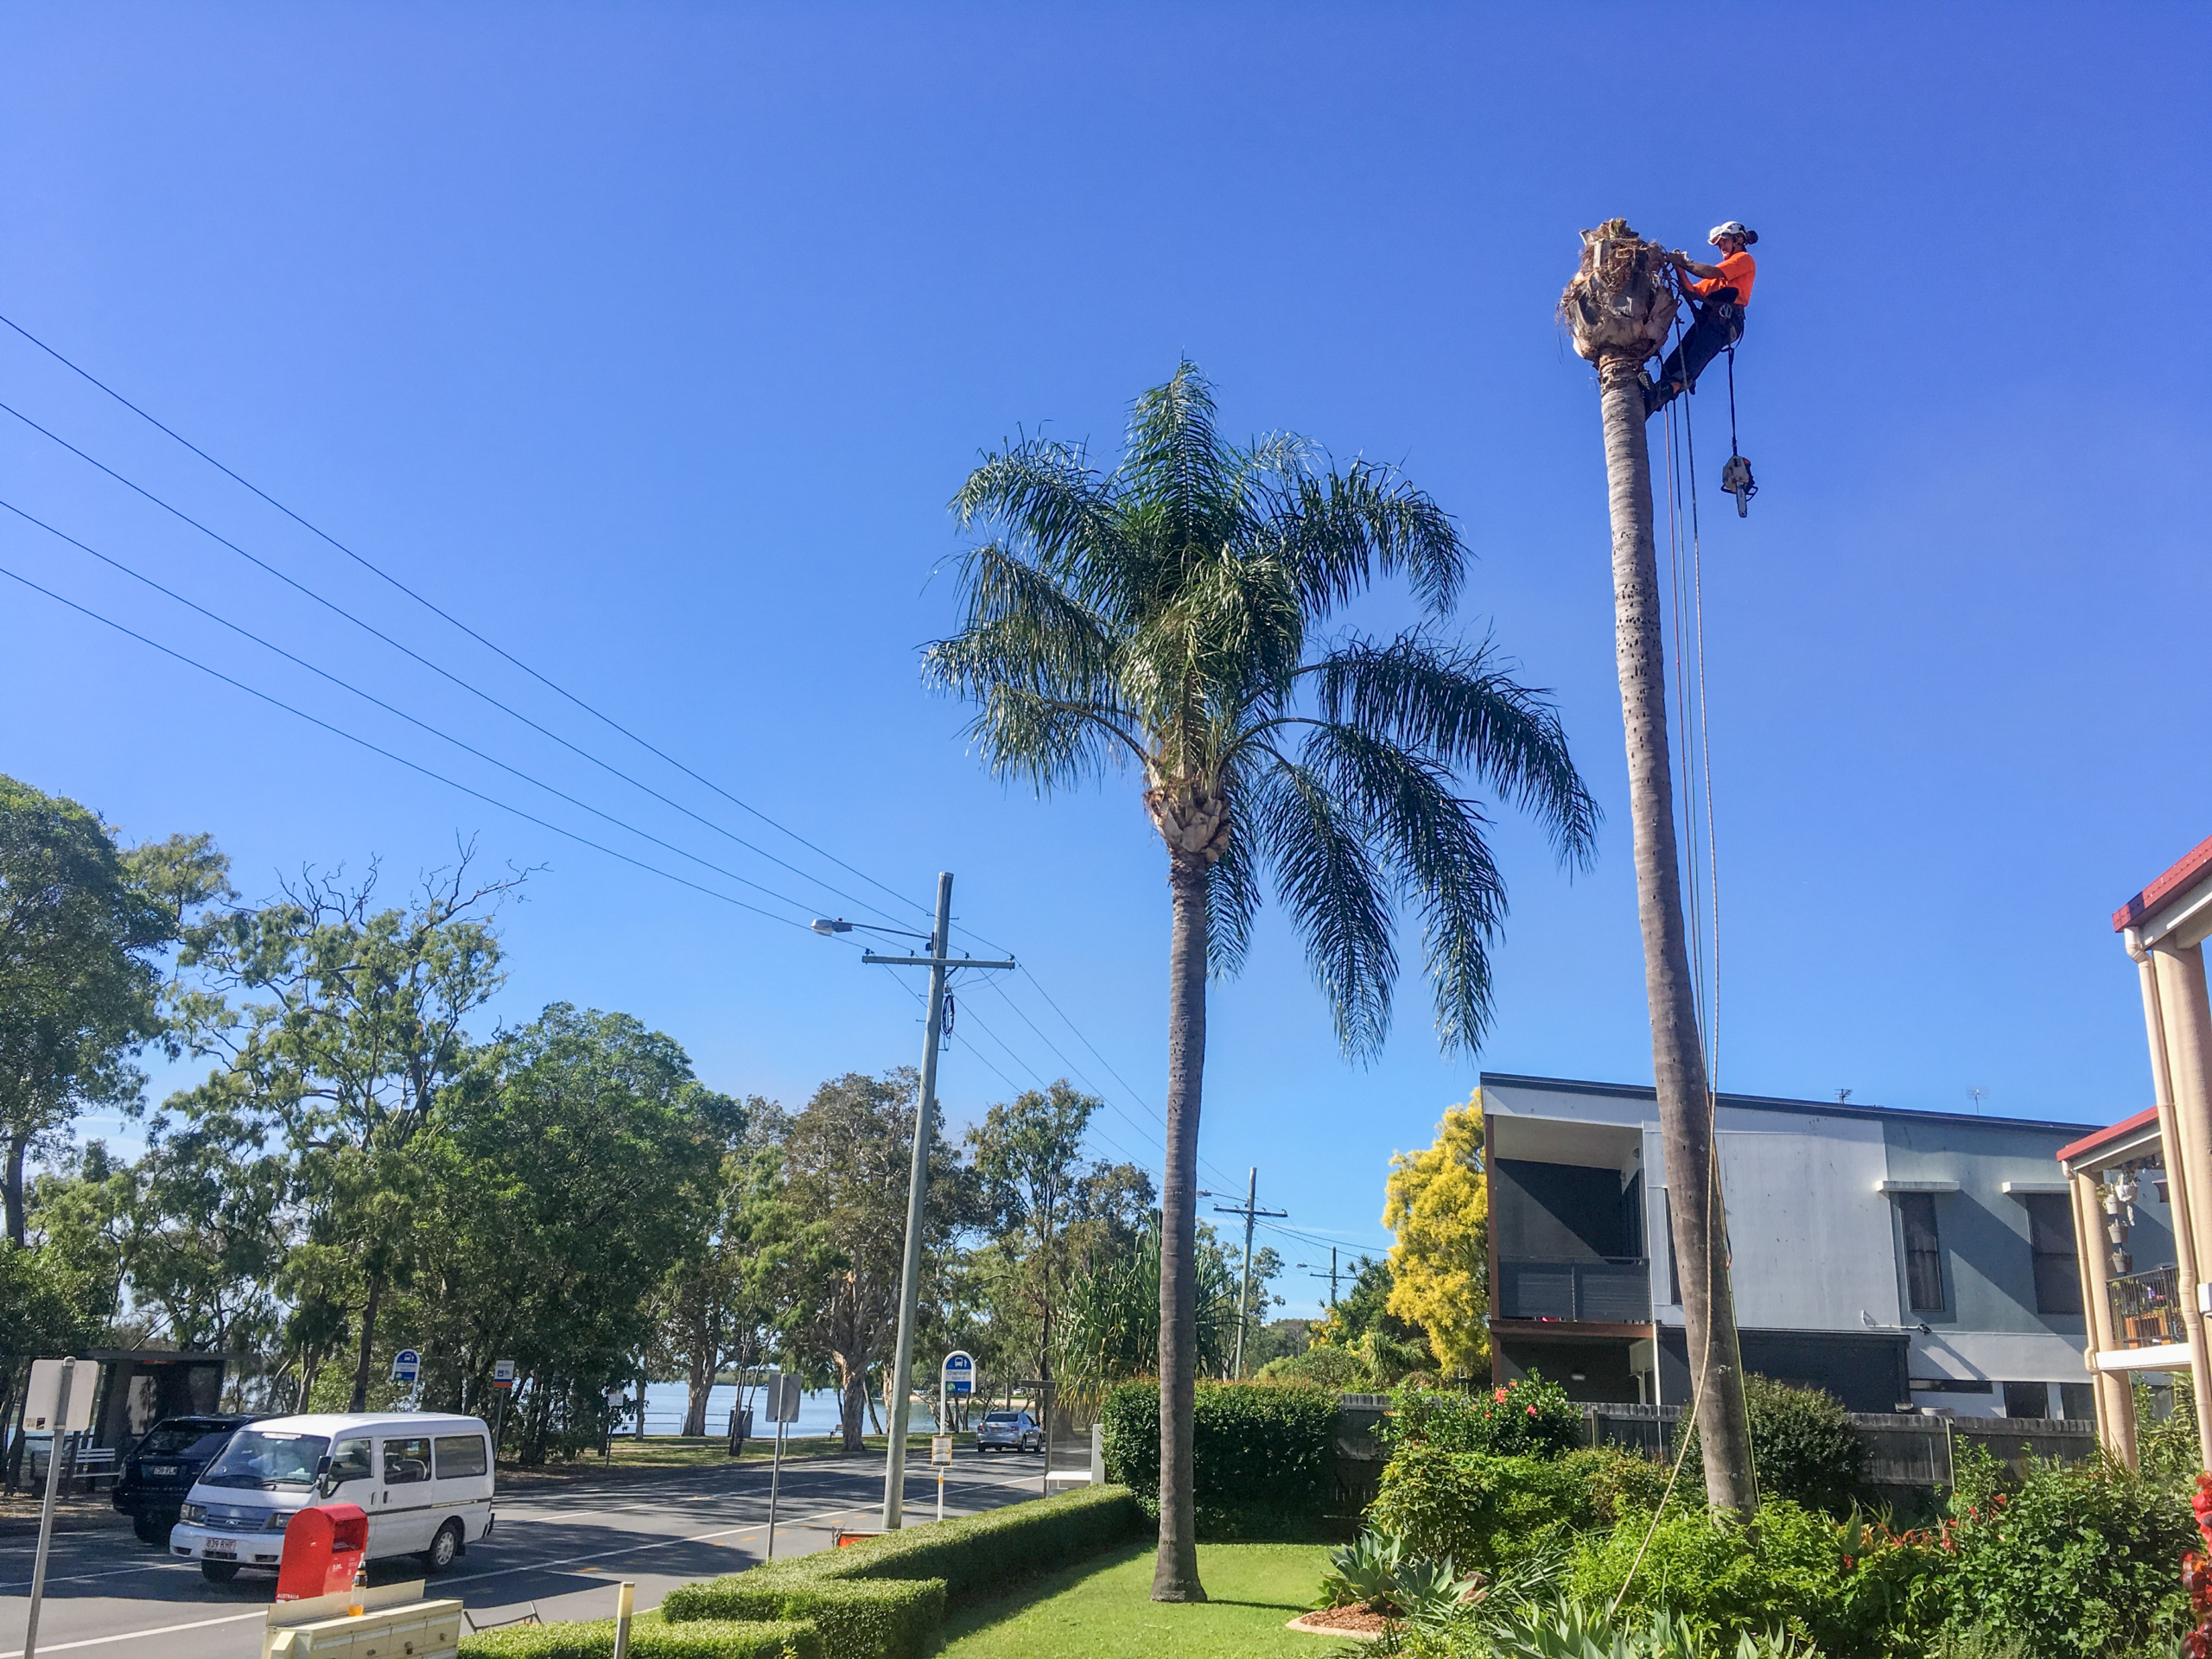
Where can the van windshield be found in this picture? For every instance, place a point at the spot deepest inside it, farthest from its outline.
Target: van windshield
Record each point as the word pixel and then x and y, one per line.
pixel 263 1459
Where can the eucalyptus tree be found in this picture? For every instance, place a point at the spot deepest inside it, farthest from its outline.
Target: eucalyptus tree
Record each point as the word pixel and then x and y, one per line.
pixel 347 1058
pixel 83 923
pixel 1167 616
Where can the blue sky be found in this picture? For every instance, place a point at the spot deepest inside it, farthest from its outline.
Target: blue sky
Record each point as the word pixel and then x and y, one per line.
pixel 651 341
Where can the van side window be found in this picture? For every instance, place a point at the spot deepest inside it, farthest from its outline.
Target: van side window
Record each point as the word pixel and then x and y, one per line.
pixel 406 1460
pixel 460 1455
pixel 349 1461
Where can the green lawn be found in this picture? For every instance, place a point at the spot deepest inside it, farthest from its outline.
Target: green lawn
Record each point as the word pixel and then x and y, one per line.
pixel 1102 1610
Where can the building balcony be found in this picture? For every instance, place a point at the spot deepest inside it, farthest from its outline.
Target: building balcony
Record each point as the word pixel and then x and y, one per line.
pixel 2146 1308
pixel 1611 1290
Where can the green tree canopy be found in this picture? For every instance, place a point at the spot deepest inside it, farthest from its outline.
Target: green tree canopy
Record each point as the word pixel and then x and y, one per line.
pixel 83 922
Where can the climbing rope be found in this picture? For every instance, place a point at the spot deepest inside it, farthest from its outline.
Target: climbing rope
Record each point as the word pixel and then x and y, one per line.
pixel 1736 476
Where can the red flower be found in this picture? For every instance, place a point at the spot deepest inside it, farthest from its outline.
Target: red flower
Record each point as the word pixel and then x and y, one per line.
pixel 1532 1411
pixel 1499 1396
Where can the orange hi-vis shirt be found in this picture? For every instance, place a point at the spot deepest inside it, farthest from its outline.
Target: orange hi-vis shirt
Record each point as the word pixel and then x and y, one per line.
pixel 1736 271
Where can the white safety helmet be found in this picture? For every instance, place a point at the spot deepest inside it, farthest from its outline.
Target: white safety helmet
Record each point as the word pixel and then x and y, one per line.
pixel 1733 227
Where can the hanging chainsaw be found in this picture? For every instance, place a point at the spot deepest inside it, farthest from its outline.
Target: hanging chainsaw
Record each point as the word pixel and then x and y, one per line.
pixel 1736 477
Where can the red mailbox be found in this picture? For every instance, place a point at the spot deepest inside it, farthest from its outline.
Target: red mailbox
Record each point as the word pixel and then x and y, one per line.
pixel 323 1548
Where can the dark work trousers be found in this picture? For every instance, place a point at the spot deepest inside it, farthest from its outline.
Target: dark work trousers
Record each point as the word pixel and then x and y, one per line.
pixel 1718 325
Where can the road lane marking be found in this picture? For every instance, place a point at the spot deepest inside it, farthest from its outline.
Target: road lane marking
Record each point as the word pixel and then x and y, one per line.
pixel 125 1636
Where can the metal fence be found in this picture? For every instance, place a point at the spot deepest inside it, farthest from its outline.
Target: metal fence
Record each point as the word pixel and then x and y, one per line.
pixel 2147 1307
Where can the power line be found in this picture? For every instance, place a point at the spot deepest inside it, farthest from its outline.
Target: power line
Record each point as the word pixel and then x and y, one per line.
pixel 337 609
pixel 385 575
pixel 423 725
pixel 278 703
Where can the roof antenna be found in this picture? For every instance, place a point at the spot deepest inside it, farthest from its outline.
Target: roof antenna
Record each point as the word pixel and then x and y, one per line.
pixel 1841 1095
pixel 1976 1093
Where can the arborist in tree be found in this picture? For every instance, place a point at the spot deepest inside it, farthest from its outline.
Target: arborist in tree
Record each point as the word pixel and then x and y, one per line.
pixel 1725 290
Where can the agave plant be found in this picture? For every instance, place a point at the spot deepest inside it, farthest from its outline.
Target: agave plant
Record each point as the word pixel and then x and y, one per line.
pixel 1363 1572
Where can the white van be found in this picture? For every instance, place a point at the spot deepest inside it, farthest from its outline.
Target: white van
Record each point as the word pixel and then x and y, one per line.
pixel 424 1480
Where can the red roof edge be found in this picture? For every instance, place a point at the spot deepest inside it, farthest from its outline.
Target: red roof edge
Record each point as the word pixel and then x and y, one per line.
pixel 2132 913
pixel 2125 1126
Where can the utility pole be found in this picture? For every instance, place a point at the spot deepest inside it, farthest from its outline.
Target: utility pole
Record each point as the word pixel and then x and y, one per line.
pixel 1331 1276
pixel 1251 1212
pixel 939 961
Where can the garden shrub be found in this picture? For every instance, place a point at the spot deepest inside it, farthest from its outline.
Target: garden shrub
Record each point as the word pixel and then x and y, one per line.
pixel 1260 1454
pixel 2080 1560
pixel 1615 1481
pixel 1851 1589
pixel 1475 1511
pixel 1337 1369
pixel 1529 1417
pixel 651 1638
pixel 884 1598
pixel 1803 1446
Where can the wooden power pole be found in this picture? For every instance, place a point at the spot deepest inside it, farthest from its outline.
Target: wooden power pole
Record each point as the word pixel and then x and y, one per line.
pixel 1620 305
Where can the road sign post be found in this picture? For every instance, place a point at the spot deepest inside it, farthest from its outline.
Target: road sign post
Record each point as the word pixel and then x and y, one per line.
pixel 503 1382
pixel 53 1401
pixel 783 1408
pixel 956 1380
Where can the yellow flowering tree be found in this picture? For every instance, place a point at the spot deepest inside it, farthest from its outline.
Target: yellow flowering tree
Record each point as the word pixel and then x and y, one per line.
pixel 1438 1210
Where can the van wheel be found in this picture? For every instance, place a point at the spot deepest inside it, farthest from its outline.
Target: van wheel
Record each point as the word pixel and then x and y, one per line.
pixel 443 1549
pixel 219 1572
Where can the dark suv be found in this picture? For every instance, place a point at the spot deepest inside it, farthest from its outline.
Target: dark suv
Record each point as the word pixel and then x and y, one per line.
pixel 162 1467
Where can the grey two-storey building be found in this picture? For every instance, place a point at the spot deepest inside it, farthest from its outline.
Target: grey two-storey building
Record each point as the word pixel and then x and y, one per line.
pixel 1898 1259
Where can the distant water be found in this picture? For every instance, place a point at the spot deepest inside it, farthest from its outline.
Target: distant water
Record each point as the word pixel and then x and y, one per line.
pixel 666 1401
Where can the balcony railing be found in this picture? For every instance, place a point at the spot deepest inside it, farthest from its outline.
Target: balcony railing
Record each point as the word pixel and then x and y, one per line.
pixel 2146 1308
pixel 1616 1290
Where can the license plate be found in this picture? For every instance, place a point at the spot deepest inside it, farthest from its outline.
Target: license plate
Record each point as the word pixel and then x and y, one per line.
pixel 159 1471
pixel 225 1547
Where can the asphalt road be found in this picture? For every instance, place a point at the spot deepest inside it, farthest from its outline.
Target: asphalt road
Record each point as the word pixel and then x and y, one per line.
pixel 560 1549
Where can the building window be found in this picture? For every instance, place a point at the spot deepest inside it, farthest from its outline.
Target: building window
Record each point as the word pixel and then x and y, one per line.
pixel 2027 1399
pixel 2051 1235
pixel 2077 1399
pixel 1924 1253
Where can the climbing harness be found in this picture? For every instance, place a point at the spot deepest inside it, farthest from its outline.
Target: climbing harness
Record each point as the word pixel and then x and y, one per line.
pixel 1736 476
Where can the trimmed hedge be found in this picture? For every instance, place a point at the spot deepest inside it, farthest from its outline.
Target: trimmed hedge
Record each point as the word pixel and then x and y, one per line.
pixel 1261 1453
pixel 651 1638
pixel 884 1598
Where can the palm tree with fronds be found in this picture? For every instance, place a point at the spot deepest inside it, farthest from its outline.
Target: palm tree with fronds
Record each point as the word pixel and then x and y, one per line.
pixel 1167 615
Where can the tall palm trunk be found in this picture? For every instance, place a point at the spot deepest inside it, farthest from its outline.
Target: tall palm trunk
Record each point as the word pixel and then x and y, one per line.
pixel 1677 1054
pixel 1175 1577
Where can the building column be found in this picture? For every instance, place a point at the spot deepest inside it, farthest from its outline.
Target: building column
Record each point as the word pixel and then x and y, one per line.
pixel 2114 1390
pixel 2178 1018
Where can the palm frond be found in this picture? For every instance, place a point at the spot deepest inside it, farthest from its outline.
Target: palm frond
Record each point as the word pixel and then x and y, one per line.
pixel 1335 897
pixel 1460 705
pixel 1341 530
pixel 1233 890
pixel 1433 840
pixel 1023 628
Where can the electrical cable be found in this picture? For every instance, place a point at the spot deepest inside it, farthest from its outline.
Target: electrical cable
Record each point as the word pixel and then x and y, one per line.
pixel 337 609
pixel 412 766
pixel 385 575
pixel 423 725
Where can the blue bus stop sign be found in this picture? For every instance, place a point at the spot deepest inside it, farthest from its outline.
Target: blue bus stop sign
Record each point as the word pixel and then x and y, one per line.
pixel 959 1373
pixel 406 1365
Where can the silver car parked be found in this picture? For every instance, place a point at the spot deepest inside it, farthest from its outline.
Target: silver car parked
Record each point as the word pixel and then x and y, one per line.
pixel 1009 1431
